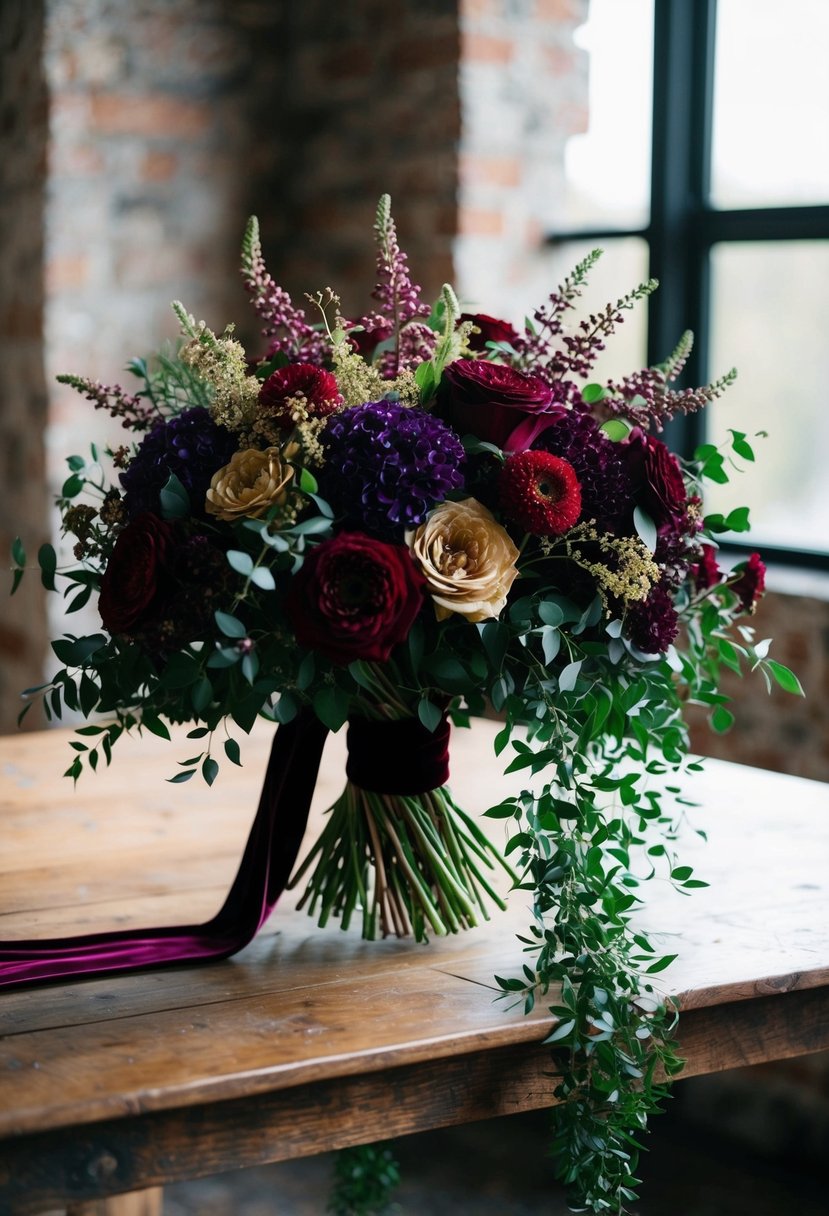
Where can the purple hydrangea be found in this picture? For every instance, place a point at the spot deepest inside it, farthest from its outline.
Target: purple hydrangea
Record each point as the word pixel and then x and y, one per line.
pixel 600 465
pixel 191 445
pixel 388 464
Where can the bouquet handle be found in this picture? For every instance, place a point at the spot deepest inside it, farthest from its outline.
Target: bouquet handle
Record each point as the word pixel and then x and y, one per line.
pixel 269 856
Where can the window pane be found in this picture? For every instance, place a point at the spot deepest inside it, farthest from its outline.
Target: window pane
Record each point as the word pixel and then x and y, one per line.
pixel 607 170
pixel 623 266
pixel 769 319
pixel 771 103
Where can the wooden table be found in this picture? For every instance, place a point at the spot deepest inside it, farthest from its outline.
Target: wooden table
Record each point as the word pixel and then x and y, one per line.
pixel 310 1040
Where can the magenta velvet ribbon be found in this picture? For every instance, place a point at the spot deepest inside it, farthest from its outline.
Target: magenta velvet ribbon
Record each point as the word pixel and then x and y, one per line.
pixel 269 856
pixel 397 756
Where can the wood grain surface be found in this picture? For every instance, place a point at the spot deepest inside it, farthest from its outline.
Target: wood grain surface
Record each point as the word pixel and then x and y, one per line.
pixel 312 1038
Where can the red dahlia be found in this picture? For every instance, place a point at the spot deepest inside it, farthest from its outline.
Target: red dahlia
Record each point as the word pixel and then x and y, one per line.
pixel 318 387
pixel 540 492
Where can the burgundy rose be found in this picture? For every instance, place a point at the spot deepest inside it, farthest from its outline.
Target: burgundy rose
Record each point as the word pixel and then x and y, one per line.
pixel 489 400
pixel 318 387
pixel 658 483
pixel 751 581
pixel 365 340
pixel 355 598
pixel 492 330
pixel 138 577
pixel 706 573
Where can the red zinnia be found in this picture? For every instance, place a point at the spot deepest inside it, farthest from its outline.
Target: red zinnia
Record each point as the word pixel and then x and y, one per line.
pixel 540 492
pixel 317 386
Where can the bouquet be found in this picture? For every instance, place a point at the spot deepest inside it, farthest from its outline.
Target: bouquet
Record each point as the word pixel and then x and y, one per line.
pixel 398 521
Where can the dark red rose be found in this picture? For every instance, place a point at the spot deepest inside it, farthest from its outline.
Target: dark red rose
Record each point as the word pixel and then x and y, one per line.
pixel 751 581
pixel 658 484
pixel 706 573
pixel 492 330
pixel 365 340
pixel 138 577
pixel 489 400
pixel 317 386
pixel 355 598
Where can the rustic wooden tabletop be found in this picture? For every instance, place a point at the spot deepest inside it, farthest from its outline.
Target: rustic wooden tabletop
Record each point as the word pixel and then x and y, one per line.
pixel 312 1039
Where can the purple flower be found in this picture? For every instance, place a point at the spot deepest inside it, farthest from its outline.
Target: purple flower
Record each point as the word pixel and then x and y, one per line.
pixel 388 464
pixel 653 624
pixel 191 445
pixel 600 466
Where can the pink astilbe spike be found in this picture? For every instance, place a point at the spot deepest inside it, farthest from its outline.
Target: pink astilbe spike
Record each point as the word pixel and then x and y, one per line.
pixel 284 324
pixel 135 413
pixel 399 300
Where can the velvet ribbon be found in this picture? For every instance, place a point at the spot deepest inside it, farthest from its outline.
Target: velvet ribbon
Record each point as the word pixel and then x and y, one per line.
pixel 397 756
pixel 269 856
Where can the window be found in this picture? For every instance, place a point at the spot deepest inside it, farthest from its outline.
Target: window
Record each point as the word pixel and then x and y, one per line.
pixel 732 216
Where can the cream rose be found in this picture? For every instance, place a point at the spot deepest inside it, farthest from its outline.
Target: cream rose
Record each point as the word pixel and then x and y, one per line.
pixel 253 482
pixel 467 559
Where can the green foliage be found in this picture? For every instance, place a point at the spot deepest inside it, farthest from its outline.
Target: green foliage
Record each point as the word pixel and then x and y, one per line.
pixel 364 1181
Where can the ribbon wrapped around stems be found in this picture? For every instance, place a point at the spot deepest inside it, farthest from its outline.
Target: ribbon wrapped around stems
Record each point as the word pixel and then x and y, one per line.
pixel 397 849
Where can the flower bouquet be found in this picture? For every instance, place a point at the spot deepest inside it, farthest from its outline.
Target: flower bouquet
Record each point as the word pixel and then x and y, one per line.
pixel 396 522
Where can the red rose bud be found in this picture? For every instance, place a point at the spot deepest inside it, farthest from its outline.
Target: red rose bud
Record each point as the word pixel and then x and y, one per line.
pixel 138 577
pixel 355 598
pixel 318 387
pixel 492 330
pixel 706 573
pixel 489 400
pixel 540 492
pixel 751 581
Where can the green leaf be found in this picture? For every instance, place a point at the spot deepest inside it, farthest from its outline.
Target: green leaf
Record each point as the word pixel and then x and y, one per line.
pixel 562 1031
pixel 240 561
pixel 262 577
pixel 48 562
pixel 308 483
pixel 591 393
pixel 181 777
pixel 250 666
pixel 174 499
pixel 76 463
pixel 721 719
pixel 660 964
pixel 232 751
pixel 783 676
pixel 210 770
pixel 741 445
pixel 331 706
pixel 154 725
pixel 72 487
pixel 201 694
pixel 616 429
pixel 230 626
pixel 18 552
pixel 429 714
pixel 645 528
pixel 569 675
pixel 737 520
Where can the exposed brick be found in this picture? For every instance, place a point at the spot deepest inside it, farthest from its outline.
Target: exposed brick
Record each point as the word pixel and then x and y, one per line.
pixel 474 221
pixel 478 168
pixel 67 271
pixel 158 166
pixel 161 116
pixel 483 48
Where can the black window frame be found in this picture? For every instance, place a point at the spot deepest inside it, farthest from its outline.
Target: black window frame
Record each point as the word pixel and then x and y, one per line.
pixel 683 226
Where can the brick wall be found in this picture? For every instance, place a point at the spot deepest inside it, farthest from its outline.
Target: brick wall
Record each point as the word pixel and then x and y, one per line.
pixel 523 90
pixel 23 400
pixel 781 732
pixel 367 104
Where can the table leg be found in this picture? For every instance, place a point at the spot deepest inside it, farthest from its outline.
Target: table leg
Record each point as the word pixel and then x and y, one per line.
pixel 136 1203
